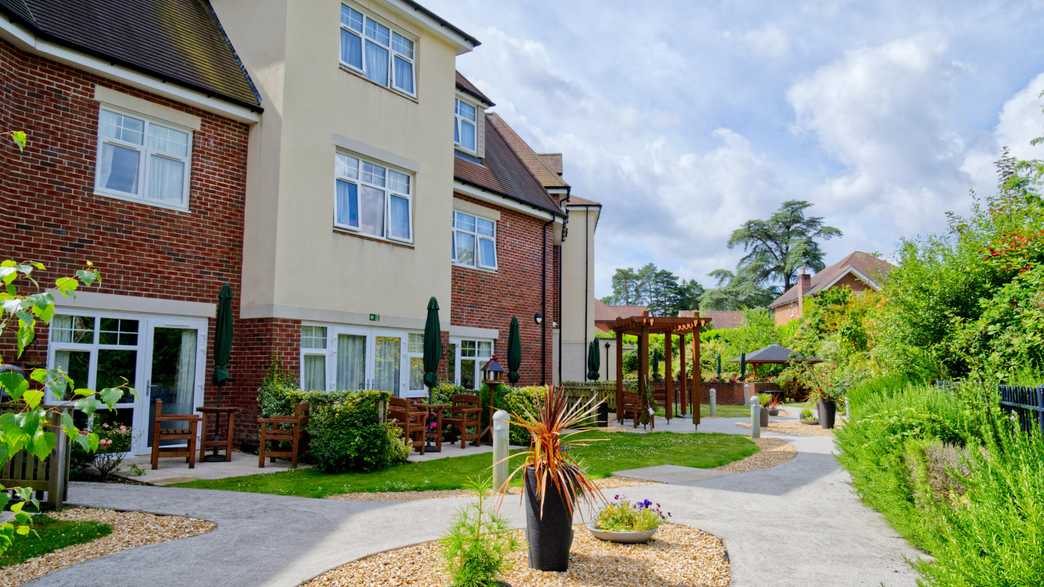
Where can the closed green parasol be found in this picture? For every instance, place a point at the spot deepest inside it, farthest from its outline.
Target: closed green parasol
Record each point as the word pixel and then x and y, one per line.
pixel 514 352
pixel 593 360
pixel 223 335
pixel 743 366
pixel 432 346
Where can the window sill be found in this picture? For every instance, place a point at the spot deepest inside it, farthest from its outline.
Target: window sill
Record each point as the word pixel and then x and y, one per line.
pixel 482 269
pixel 363 77
pixel 376 239
pixel 151 203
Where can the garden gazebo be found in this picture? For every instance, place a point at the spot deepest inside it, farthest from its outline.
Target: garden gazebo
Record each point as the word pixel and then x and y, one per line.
pixel 669 326
pixel 775 354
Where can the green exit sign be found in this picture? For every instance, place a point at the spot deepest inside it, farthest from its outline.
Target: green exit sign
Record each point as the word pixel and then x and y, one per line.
pixel 375 317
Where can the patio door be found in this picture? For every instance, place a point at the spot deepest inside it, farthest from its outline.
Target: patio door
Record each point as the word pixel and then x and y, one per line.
pixel 162 358
pixel 355 357
pixel 175 367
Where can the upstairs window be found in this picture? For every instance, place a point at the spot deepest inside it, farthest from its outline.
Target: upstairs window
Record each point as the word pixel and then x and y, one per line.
pixel 373 199
pixel 383 55
pixel 464 133
pixel 142 159
pixel 474 241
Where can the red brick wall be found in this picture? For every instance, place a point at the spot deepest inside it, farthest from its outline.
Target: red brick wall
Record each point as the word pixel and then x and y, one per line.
pixel 488 299
pixel 50 213
pixel 258 343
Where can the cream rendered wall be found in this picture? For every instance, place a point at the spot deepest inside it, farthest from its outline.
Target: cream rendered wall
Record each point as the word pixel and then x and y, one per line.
pixel 312 271
pixel 257 29
pixel 578 290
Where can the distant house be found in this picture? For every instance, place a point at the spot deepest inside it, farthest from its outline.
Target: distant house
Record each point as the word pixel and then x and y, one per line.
pixel 719 318
pixel 858 271
pixel 606 314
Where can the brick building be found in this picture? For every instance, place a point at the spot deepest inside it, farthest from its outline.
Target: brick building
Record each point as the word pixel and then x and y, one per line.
pixel 858 271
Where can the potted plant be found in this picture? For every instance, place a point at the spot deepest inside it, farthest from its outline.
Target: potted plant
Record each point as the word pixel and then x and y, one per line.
pixel 554 481
pixel 628 522
pixel 809 417
pixel 765 399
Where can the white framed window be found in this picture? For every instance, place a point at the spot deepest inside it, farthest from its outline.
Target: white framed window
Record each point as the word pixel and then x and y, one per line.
pixel 373 199
pixel 467 357
pixel 474 241
pixel 415 355
pixel 465 132
pixel 384 55
pixel 313 358
pixel 142 159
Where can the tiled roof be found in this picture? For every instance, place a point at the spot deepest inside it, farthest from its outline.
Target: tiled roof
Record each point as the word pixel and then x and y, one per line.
pixel 176 40
pixel 444 23
pixel 604 312
pixel 871 267
pixel 530 158
pixel 501 171
pixel 718 318
pixel 465 85
pixel 553 161
pixel 579 201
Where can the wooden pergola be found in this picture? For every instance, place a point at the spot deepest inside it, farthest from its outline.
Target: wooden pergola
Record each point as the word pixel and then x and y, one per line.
pixel 668 326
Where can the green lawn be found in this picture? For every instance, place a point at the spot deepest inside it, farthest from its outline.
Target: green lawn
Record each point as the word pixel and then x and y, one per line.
pixel 724 411
pixel 49 535
pixel 611 452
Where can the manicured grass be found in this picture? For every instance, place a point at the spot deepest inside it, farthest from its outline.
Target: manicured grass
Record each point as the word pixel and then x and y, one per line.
pixel 724 411
pixel 49 535
pixel 609 452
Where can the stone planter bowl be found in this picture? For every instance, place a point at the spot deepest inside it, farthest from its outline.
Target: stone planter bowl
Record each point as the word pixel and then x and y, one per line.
pixel 623 537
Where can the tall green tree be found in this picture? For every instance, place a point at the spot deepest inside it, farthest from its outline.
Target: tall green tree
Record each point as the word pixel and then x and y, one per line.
pixel 776 248
pixel 737 290
pixel 663 292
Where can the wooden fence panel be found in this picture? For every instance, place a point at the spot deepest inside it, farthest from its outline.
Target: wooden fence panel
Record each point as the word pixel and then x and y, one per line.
pixel 49 477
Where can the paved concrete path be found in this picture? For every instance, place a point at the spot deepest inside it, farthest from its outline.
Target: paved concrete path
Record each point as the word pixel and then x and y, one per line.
pixel 796 524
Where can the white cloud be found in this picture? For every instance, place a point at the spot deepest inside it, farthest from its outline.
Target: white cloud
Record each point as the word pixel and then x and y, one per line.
pixel 767 41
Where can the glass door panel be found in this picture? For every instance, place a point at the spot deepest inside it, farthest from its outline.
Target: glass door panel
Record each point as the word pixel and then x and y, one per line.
pixel 387 363
pixel 77 365
pixel 351 362
pixel 173 373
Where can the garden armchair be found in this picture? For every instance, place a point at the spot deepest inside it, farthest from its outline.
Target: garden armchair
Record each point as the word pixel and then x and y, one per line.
pixel 282 429
pixel 411 419
pixel 167 429
pixel 465 413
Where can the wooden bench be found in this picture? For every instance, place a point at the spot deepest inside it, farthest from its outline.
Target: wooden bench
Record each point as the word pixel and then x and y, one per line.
pixel 48 478
pixel 282 429
pixel 631 407
pixel 188 434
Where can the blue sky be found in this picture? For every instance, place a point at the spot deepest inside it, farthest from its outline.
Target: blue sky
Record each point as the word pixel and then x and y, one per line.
pixel 686 118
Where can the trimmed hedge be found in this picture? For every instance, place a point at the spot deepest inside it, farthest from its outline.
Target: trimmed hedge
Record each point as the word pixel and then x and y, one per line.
pixel 346 430
pixel 516 401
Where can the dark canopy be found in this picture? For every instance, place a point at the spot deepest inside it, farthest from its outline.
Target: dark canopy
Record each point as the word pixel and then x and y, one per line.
pixel 775 354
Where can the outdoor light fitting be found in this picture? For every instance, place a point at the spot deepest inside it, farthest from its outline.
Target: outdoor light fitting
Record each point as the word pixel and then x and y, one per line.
pixel 538 318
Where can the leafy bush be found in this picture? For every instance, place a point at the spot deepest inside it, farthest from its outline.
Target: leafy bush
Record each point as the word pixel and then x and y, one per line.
pixel 621 515
pixel 953 474
pixel 443 393
pixel 477 545
pixel 517 401
pixel 114 441
pixel 349 433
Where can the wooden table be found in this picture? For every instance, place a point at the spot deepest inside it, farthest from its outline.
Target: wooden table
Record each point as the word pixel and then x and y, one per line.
pixel 222 437
pixel 435 410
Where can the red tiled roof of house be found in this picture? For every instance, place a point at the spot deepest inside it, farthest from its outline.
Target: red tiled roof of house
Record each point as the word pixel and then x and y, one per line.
pixel 867 268
pixel 502 171
pixel 604 312
pixel 533 161
pixel 578 201
pixel 553 161
pixel 465 85
pixel 718 318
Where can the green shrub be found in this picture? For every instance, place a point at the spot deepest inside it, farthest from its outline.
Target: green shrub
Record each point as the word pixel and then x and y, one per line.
pixel 443 393
pixel 347 431
pixel 477 545
pixel 516 401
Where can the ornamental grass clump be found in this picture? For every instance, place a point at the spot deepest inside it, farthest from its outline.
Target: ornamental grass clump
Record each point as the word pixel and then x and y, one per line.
pixel 552 427
pixel 478 544
pixel 625 516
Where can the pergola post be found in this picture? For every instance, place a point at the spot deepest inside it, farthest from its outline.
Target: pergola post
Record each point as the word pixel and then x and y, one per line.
pixel 643 368
pixel 696 365
pixel 683 379
pixel 619 375
pixel 668 372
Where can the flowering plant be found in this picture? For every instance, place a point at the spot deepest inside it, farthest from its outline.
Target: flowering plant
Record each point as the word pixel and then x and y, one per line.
pixel 625 516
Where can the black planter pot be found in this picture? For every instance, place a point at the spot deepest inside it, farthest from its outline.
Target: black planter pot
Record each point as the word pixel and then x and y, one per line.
pixel 827 411
pixel 551 535
pixel 603 415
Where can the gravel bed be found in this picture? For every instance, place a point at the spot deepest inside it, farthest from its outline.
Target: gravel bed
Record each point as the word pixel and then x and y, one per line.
pixel 771 452
pixel 607 483
pixel 129 530
pixel 793 428
pixel 678 555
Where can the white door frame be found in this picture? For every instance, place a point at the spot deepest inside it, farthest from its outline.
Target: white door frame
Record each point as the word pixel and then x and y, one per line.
pixel 147 323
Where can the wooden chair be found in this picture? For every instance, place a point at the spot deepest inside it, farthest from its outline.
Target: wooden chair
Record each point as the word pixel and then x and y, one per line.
pixel 177 434
pixel 282 429
pixel 630 407
pixel 465 412
pixel 411 420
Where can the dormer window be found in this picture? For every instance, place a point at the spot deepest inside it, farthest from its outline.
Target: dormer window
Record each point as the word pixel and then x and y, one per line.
pixel 465 133
pixel 381 54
